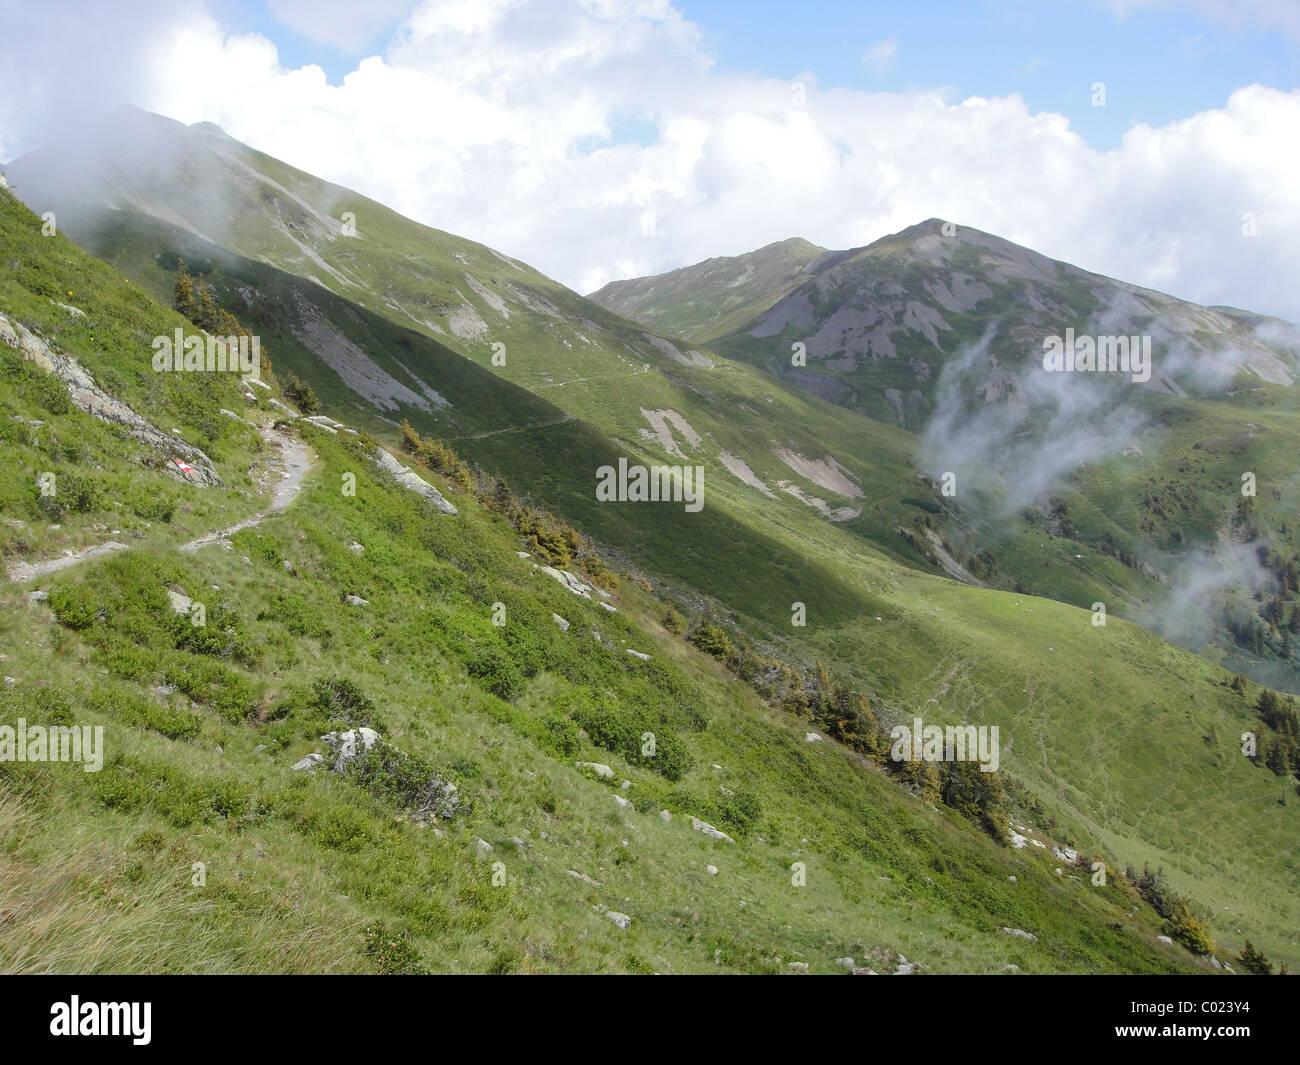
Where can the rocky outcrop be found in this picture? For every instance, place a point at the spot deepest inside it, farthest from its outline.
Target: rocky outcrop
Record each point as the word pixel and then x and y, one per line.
pixel 175 456
pixel 412 481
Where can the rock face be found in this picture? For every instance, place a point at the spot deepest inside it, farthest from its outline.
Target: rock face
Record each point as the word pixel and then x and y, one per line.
pixel 572 581
pixel 412 481
pixel 175 456
pixel 347 745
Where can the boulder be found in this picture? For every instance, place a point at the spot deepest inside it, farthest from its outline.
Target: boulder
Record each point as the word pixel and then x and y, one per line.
pixel 621 919
pixel 602 771
pixel 1020 933
pixel 310 762
pixel 347 745
pixel 709 830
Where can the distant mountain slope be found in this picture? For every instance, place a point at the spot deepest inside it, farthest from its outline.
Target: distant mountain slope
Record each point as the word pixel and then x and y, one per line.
pixel 941 329
pixel 716 296
pixel 879 323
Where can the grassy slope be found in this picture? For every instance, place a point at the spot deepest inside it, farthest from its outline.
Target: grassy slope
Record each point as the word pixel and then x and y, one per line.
pixel 846 583
pixel 98 870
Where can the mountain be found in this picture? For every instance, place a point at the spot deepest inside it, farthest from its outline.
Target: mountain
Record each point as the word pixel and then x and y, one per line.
pixel 941 329
pixel 713 297
pixel 814 513
pixel 236 855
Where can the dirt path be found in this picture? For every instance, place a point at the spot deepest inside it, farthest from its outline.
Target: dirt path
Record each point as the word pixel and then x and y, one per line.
pixel 296 459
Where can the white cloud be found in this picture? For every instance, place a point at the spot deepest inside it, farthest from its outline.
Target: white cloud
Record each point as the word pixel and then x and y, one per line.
pixel 476 117
pixel 1235 15
pixel 881 56
pixel 344 24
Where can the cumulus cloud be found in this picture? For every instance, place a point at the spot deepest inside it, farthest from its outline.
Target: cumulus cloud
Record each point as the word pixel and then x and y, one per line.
pixel 506 121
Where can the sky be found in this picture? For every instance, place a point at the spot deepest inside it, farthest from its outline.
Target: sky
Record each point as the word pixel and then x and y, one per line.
pixel 1157 141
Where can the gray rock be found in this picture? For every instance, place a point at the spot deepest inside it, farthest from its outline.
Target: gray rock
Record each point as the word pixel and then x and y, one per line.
pixel 583 877
pixel 1020 933
pixel 622 801
pixel 356 600
pixel 345 745
pixel 621 919
pixel 602 771
pixel 1164 939
pixel 564 625
pixel 310 762
pixel 709 830
pixel 845 963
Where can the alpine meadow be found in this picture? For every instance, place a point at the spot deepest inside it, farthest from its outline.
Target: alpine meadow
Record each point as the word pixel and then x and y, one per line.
pixel 375 602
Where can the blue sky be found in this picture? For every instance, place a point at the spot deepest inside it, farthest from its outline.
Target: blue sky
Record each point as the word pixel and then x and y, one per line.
pixel 1157 65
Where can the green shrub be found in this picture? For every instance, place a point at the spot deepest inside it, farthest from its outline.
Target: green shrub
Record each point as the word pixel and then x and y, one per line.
pixel 494 670
pixel 340 828
pixel 1254 962
pixel 392 952
pixel 340 702
pixel 625 732
pixel 1188 930
pixel 297 616
pixel 712 640
pixel 561 734
pixel 75 605
pixel 156 506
